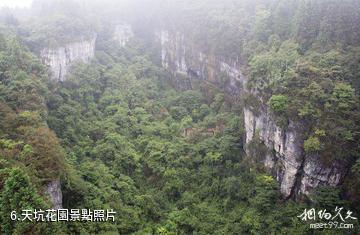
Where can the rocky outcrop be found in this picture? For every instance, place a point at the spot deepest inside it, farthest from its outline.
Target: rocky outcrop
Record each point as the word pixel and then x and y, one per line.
pixel 123 33
pixel 60 59
pixel 317 174
pixel 53 190
pixel 296 172
pixel 182 57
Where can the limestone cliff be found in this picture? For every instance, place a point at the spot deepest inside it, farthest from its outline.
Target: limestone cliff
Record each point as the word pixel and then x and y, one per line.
pixel 123 33
pixel 296 172
pixel 181 57
pixel 60 59
pixel 53 190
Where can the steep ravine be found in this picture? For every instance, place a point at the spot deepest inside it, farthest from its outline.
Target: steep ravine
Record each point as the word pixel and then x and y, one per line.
pixel 297 173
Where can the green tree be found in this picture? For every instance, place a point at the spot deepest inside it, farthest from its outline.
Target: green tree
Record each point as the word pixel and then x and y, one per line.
pixel 265 193
pixel 19 194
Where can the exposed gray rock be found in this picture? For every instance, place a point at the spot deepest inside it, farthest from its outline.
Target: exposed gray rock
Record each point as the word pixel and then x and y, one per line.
pixel 123 33
pixel 316 174
pixel 53 189
pixel 296 172
pixel 183 58
pixel 60 59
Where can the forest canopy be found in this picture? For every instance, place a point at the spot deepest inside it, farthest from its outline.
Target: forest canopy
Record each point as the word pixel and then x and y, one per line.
pixel 123 133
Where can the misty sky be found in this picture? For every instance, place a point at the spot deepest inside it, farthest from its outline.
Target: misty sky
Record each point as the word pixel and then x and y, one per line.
pixel 15 3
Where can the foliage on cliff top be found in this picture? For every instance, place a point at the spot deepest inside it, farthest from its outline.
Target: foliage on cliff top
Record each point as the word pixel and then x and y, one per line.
pixel 56 31
pixel 238 28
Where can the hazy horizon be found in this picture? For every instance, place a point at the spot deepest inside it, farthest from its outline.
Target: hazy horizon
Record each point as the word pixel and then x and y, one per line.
pixel 15 3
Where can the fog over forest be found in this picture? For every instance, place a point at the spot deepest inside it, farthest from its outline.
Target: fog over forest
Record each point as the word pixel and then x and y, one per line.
pixel 172 117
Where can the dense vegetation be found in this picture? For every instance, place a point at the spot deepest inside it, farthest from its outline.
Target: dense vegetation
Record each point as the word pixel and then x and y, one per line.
pixel 305 53
pixel 119 135
pixel 121 125
pixel 302 59
pixel 168 162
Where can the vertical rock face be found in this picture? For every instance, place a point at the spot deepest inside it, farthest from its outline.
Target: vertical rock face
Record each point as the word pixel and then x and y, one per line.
pixel 123 33
pixel 181 57
pixel 285 159
pixel 296 172
pixel 53 189
pixel 60 59
pixel 316 174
